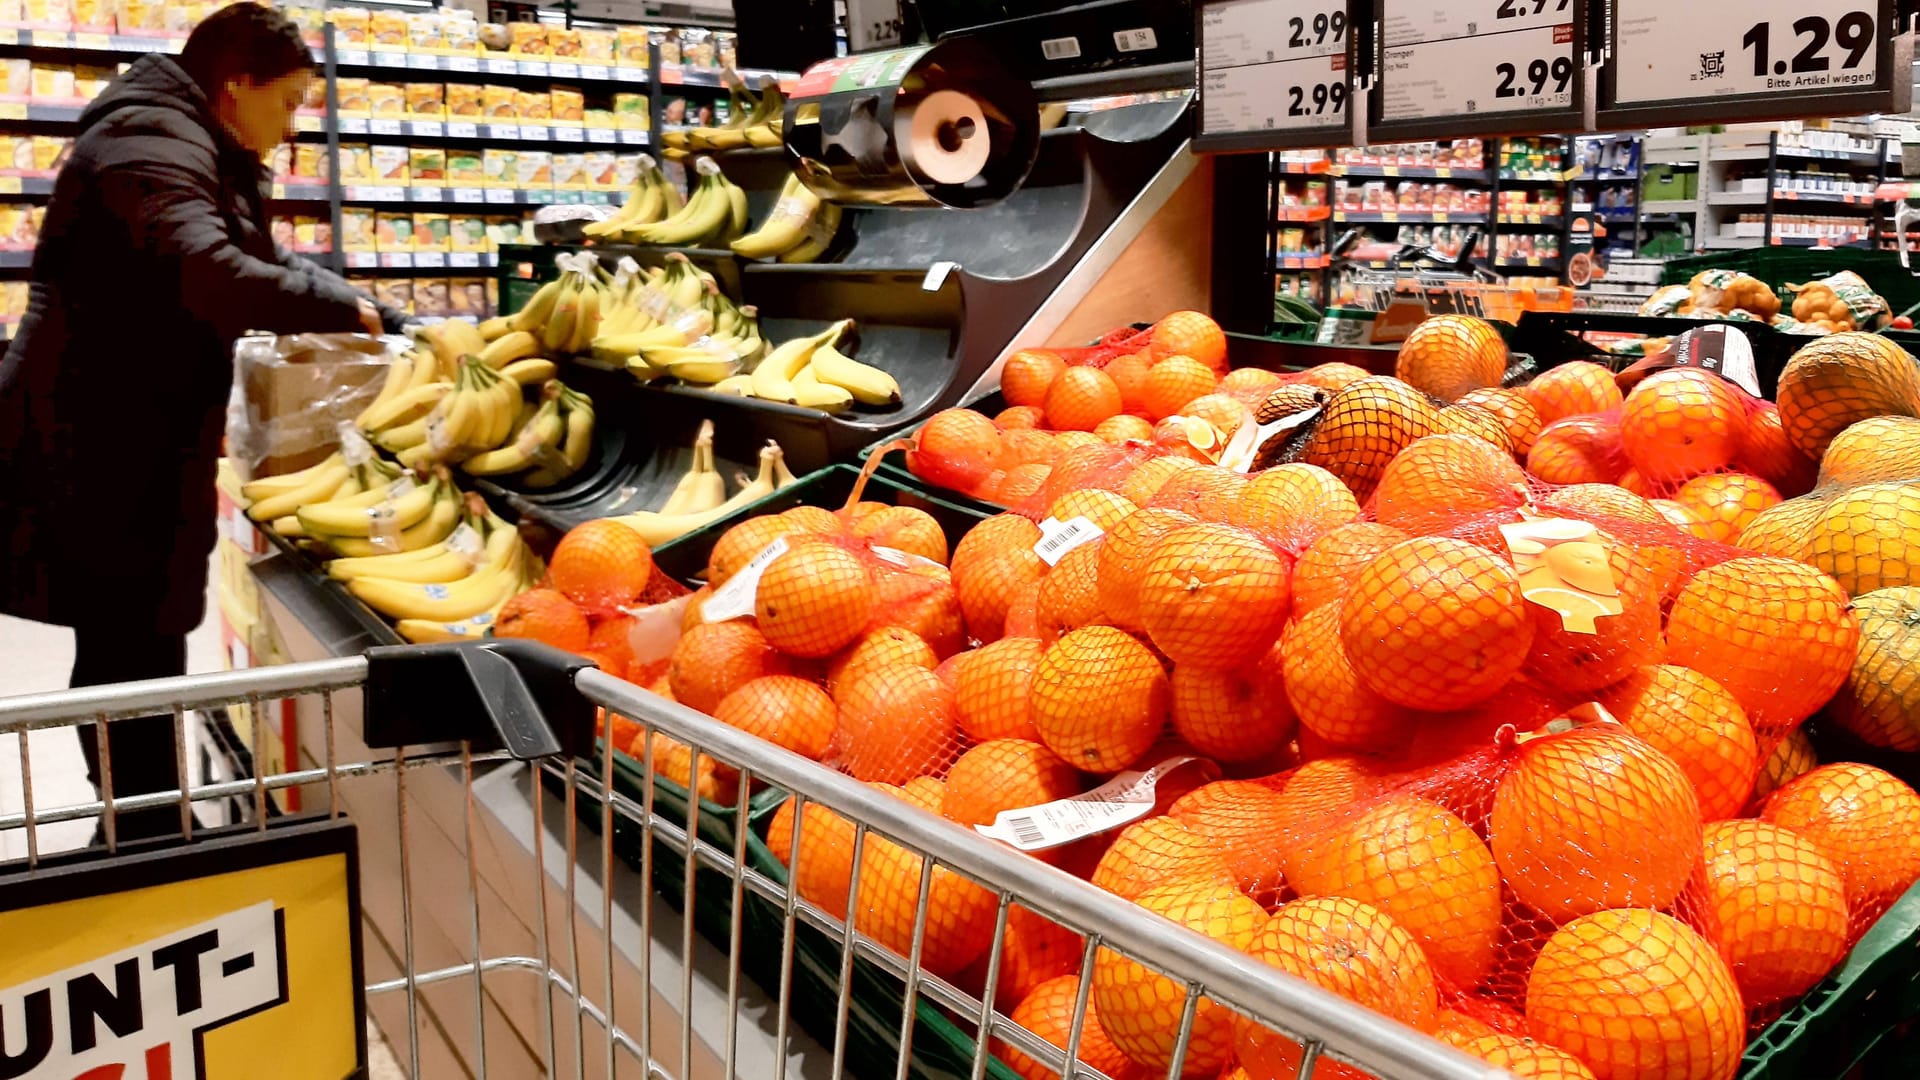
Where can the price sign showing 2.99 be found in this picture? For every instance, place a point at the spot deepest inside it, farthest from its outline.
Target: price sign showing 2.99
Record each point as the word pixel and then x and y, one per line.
pixel 1273 65
pixel 1667 51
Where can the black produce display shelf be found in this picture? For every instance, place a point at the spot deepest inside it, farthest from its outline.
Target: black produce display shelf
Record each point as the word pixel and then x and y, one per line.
pixel 935 295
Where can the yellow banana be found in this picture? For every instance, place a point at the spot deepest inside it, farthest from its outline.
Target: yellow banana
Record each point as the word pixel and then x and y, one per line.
pixel 345 518
pixel 318 488
pixel 399 375
pixel 545 430
pixel 436 564
pixel 539 308
pixel 785 228
pixel 490 586
pixel 255 490
pixel 819 237
pixel 404 407
pixel 452 339
pixel 497 327
pixel 737 385
pixel 530 372
pixel 763 135
pixel 810 393
pixel 432 529
pixel 657 529
pixel 428 632
pixel 773 379
pixel 504 350
pixel 683 490
pixel 868 384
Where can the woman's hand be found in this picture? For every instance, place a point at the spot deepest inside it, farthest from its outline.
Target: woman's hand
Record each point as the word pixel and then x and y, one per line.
pixel 370 317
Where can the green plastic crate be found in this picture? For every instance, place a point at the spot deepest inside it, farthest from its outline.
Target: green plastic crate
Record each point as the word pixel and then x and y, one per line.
pixel 1844 1020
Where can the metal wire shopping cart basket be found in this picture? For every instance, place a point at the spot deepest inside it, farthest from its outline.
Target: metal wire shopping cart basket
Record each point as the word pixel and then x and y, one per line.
pixel 1445 292
pixel 562 999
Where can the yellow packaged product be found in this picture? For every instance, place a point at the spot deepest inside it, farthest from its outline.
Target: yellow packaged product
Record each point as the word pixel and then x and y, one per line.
pixel 460 299
pixel 696 47
pixel 430 296
pixel 502 231
pixel 10 147
pixel 534 169
pixel 307 159
pixel 467 232
pixel 356 163
pixel 280 162
pixel 465 99
pixel 626 169
pixel 599 168
pixel 16 300
pixel 669 42
pixel 527 39
pixel 356 229
pixel 502 102
pixel 16 78
pixel 501 167
pixel 93 16
pixel 630 45
pixel 140 17
pixel 630 110
pixel 305 234
pixel 387 31
pixel 568 104
pixel 386 99
pixel 352 27
pixel 427 101
pixel 430 232
pixel 89 81
pixel 427 164
pixel 13 227
pixel 49 151
pixel 465 167
pixel 396 293
pixel 570 171
pixel 393 230
pixel 354 97
pixel 597 46
pixel 390 164
pixel 52 82
pixel 599 118
pixel 426 31
pixel 48 14
pixel 460 31
pixel 534 104
pixel 563 43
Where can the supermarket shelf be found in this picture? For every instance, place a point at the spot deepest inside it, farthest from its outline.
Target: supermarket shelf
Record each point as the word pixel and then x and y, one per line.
pixel 1297 214
pixel 576 134
pixel 1760 153
pixel 1733 243
pixel 440 195
pixel 1828 197
pixel 422 260
pixel 92 42
pixel 1412 172
pixel 1607 176
pixel 544 68
pixel 1737 198
pixel 1306 168
pixel 43 112
pixel 1532 263
pixel 15 260
pixel 1533 177
pixel 1411 217
pixel 1819 241
pixel 26 185
pixel 1616 214
pixel 1670 206
pixel 1551 221
pixel 1316 261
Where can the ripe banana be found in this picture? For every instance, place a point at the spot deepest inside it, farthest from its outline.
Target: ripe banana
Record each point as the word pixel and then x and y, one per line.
pixel 658 529
pixel 497 327
pixel 436 563
pixel 428 632
pixel 645 204
pixel 810 393
pixel 399 376
pixel 403 407
pixel 358 517
pixel 318 487
pixel 498 577
pixel 452 339
pixel 432 529
pixel 868 384
pixel 539 309
pixel 786 228
pixel 820 236
pixel 683 491
pixel 737 385
pixel 773 379
pixel 576 447
pixel 539 436
pixel 255 490
pixel 530 372
pixel 504 350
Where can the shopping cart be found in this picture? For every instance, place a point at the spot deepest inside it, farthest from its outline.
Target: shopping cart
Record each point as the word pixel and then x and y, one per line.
pixel 1443 283
pixel 519 715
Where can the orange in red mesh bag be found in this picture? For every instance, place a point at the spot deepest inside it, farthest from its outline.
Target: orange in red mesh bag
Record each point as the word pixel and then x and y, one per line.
pixel 1141 1009
pixel 1581 449
pixel 1680 423
pixel 1775 906
pixel 1212 596
pixel 1696 722
pixel 1099 699
pixel 896 723
pixel 1328 696
pixel 955 448
pixel 1157 852
pixel 1866 820
pixel 960 915
pixel 1363 426
pixel 1571 390
pixel 1234 715
pixel 1291 506
pixel 1449 355
pixel 1047 1011
pixel 992 565
pixel 1442 480
pixel 1329 565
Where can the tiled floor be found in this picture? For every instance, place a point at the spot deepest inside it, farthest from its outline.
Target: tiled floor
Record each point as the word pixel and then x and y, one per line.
pixel 39 658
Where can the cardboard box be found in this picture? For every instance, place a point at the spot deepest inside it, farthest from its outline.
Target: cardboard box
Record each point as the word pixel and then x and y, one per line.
pixel 568 104
pixel 296 392
pixel 630 45
pixel 597 46
pixel 563 42
pixel 630 111
pixel 528 39
pixel 502 102
pixel 534 104
pixel 351 26
pixel 388 31
pixel 354 99
pixel 426 31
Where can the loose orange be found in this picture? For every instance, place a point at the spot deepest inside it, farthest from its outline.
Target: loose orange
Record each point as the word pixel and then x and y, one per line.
pixel 1451 906
pixel 1515 410
pixel 1698 724
pixel 544 615
pixel 1329 698
pixel 1172 383
pixel 896 723
pixel 1776 908
pixel 1189 333
pixel 1291 506
pixel 1330 564
pixel 1578 450
pixel 960 915
pixel 1124 555
pixel 884 646
pixel 1637 995
pixel 1213 596
pixel 1099 699
pixel 1048 1012
pixel 1160 851
pixel 786 711
pixel 1141 1009
pixel 955 448
pixel 813 600
pixel 713 658
pixel 1353 949
pixel 1566 849
pixel 1449 355
pixel 602 566
pixel 1005 774
pixel 1573 389
pixel 1681 423
pixel 1082 397
pixel 1233 715
pixel 1070 593
pixel 991 688
pixel 1866 820
pixel 1775 632
pixel 1443 482
pixel 1726 503
pixel 1436 624
pixel 992 564
pixel 1027 376
pixel 1363 426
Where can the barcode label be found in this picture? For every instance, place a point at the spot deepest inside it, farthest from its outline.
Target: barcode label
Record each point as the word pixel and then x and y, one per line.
pixel 1137 40
pixel 1126 798
pixel 1061 48
pixel 734 600
pixel 1059 537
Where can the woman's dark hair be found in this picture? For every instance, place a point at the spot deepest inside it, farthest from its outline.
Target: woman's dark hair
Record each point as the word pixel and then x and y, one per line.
pixel 243 40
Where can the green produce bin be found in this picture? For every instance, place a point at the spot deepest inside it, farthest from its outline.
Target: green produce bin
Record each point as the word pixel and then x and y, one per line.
pixel 1781 266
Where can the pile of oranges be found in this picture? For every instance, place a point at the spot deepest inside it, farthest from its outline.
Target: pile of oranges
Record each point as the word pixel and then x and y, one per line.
pixel 1574 847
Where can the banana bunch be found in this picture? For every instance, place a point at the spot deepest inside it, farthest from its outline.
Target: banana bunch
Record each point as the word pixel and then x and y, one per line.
pixel 663 306
pixel 752 120
pixel 652 200
pixel 813 373
pixel 713 216
pixel 271 498
pixel 660 526
pixel 730 346
pixel 477 415
pixel 503 568
pixel 550 442
pixel 800 229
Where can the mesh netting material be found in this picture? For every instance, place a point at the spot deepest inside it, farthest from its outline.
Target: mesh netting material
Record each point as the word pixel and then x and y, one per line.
pixel 1448 356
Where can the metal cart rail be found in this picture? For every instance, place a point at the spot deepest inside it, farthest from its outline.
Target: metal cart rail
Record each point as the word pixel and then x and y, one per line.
pixel 532 698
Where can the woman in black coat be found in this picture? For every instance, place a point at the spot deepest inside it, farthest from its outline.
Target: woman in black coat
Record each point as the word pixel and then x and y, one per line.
pixel 155 256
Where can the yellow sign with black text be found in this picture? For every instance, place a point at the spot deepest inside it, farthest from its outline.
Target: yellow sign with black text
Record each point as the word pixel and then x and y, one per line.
pixel 227 958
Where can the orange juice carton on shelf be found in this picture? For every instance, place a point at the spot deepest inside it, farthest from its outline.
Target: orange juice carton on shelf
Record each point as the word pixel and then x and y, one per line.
pixel 460 300
pixel 356 229
pixel 500 166
pixel 393 230
pixel 464 100
pixel 387 31
pixel 427 101
pixel 599 118
pixel 568 104
pixel 387 100
pixel 11 147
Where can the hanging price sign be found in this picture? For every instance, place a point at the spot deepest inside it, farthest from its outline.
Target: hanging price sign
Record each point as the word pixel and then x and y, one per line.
pixel 1769 58
pixel 1448 68
pixel 1274 74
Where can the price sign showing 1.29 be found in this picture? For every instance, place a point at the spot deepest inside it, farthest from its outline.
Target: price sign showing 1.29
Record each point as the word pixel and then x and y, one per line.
pixel 1667 51
pixel 1269 65
pixel 1491 73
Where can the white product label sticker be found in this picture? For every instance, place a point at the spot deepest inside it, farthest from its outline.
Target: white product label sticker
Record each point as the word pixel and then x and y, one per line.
pixel 1124 799
pixel 1064 48
pixel 355 450
pixel 1059 537
pixel 465 540
pixel 734 600
pixel 1138 39
pixel 901 558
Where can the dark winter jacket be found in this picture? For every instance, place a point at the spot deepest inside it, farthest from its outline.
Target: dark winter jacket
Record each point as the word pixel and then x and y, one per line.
pixel 154 257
